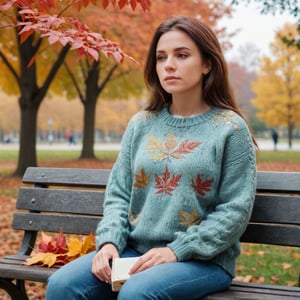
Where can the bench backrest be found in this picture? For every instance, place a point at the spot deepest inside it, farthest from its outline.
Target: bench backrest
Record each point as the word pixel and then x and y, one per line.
pixel 71 200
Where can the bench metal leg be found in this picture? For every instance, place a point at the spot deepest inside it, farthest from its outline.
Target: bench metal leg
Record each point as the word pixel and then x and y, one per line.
pixel 15 291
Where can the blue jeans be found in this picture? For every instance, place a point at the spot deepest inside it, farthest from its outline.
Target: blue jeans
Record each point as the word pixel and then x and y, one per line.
pixel 172 281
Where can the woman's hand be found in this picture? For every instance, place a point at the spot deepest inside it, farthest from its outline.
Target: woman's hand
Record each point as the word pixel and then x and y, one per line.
pixel 100 265
pixel 153 257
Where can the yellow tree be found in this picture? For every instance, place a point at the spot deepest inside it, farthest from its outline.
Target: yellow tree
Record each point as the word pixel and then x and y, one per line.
pixel 277 85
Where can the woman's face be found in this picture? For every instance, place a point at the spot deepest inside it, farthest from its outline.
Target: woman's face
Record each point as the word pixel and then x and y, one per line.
pixel 179 64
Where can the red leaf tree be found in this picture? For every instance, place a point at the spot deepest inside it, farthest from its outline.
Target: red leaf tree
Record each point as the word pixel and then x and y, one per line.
pixel 34 21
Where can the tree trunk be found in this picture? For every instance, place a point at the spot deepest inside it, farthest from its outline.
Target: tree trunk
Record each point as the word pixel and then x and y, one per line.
pixel 27 151
pixel 87 150
pixel 89 106
pixel 93 90
pixel 290 135
pixel 31 96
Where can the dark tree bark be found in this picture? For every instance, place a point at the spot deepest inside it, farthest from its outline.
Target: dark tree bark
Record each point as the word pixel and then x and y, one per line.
pixel 93 88
pixel 31 96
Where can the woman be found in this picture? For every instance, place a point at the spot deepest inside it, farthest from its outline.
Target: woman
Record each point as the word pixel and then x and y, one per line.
pixel 181 191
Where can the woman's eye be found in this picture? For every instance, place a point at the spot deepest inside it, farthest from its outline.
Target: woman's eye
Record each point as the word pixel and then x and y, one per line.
pixel 182 55
pixel 160 57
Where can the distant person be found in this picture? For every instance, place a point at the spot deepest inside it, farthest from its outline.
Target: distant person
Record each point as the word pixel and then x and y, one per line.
pixel 275 138
pixel 182 189
pixel 71 139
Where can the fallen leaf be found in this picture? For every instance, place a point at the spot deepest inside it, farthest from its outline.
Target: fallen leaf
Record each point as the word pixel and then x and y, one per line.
pixel 274 279
pixel 292 283
pixel 286 266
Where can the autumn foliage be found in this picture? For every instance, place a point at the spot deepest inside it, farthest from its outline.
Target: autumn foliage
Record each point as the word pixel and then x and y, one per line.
pixel 36 16
pixel 57 251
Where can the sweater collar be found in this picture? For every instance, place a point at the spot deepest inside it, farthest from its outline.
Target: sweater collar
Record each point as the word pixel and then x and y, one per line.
pixel 179 121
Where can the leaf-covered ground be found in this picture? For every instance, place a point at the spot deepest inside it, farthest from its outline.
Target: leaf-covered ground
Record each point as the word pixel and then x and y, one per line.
pixel 10 240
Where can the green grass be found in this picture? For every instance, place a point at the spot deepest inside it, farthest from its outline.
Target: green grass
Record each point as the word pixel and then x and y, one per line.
pixel 279 156
pixel 55 155
pixel 269 264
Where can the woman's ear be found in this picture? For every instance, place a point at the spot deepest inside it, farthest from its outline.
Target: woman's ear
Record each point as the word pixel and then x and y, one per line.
pixel 206 68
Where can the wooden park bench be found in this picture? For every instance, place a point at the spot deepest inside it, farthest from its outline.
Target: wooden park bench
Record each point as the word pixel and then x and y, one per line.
pixel 71 200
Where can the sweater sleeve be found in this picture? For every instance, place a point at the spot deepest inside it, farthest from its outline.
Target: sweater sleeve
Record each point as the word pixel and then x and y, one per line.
pixel 223 227
pixel 114 227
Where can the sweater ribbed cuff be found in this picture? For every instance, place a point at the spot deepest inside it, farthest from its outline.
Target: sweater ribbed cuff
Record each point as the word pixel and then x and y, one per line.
pixel 182 251
pixel 111 237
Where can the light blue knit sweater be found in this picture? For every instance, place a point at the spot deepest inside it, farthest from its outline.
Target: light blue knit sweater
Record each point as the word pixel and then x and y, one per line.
pixel 185 183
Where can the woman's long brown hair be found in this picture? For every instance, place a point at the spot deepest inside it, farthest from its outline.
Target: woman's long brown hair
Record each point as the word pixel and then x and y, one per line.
pixel 215 86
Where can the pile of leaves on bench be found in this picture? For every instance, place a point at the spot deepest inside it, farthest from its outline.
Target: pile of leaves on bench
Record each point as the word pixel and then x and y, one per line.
pixel 58 251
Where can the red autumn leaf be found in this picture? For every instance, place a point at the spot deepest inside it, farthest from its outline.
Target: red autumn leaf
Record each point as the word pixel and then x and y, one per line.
pixel 48 244
pixel 166 183
pixel 61 243
pixel 201 187
pixel 122 3
pixel 145 4
pixel 69 31
pixel 105 3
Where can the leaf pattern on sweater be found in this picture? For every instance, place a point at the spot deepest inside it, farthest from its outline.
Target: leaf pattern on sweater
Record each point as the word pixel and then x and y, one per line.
pixel 141 179
pixel 166 183
pixel 189 219
pixel 227 118
pixel 201 187
pixel 170 148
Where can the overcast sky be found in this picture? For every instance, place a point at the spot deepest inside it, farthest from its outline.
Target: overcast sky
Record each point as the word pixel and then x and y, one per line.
pixel 254 27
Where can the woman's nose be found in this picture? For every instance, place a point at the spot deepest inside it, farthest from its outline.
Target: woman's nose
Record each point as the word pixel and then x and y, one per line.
pixel 170 65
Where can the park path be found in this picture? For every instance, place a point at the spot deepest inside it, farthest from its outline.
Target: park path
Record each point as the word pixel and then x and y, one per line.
pixel 264 144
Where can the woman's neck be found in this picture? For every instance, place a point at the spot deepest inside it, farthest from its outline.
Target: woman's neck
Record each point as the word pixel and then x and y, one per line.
pixel 188 108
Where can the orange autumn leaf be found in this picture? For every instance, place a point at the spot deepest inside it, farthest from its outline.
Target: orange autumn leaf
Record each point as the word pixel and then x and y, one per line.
pixel 88 244
pixel 296 255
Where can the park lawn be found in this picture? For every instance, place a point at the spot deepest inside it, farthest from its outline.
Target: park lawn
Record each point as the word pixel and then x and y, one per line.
pixel 279 156
pixel 268 264
pixel 56 155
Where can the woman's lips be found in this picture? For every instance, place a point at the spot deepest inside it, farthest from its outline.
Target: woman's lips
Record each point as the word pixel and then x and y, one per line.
pixel 171 78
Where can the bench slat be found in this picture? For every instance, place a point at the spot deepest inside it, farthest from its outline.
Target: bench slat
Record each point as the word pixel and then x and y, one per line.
pixel 67 201
pixel 251 291
pixel 278 181
pixel 15 269
pixel 276 209
pixel 66 176
pixel 272 234
pixel 255 233
pixel 74 224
